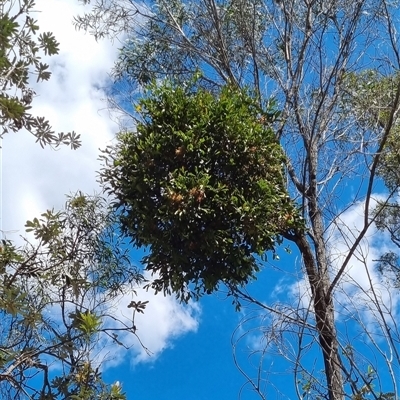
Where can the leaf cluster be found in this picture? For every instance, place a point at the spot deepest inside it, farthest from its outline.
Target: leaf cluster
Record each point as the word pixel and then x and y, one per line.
pixel 89 385
pixel 201 184
pixel 174 38
pixel 387 219
pixel 21 47
pixel 370 97
pixel 55 294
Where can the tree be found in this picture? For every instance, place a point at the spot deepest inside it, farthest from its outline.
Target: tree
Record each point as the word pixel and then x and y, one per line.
pixel 21 47
pixel 323 62
pixel 56 299
pixel 201 183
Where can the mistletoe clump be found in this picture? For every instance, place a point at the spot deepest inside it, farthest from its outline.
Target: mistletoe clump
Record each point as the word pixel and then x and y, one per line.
pixel 200 184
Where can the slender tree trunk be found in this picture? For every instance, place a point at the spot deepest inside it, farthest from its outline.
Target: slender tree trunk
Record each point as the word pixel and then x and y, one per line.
pixel 324 315
pixel 313 250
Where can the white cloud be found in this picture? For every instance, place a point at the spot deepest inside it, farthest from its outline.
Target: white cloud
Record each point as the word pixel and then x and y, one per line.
pixel 163 320
pixel 362 289
pixel 36 179
pixel 361 292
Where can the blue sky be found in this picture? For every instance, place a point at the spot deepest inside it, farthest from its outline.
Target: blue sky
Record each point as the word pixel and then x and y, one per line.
pixel 198 366
pixel 192 351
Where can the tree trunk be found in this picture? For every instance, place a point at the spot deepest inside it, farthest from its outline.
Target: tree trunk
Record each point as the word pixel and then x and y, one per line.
pixel 324 316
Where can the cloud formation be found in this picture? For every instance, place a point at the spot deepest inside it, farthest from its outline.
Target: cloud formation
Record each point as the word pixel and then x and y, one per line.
pixel 364 300
pixel 35 179
pixel 163 321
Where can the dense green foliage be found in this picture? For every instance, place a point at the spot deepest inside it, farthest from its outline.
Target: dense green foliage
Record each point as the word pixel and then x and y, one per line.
pixel 21 47
pixel 201 184
pixel 55 295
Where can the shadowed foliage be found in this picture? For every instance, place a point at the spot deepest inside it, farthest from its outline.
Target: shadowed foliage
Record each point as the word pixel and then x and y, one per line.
pixel 201 184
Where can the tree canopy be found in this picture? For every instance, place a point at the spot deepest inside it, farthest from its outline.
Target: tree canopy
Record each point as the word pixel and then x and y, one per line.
pixel 201 183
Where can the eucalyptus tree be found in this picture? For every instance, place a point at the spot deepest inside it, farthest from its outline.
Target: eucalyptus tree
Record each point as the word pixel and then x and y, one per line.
pixel 330 66
pixel 58 299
